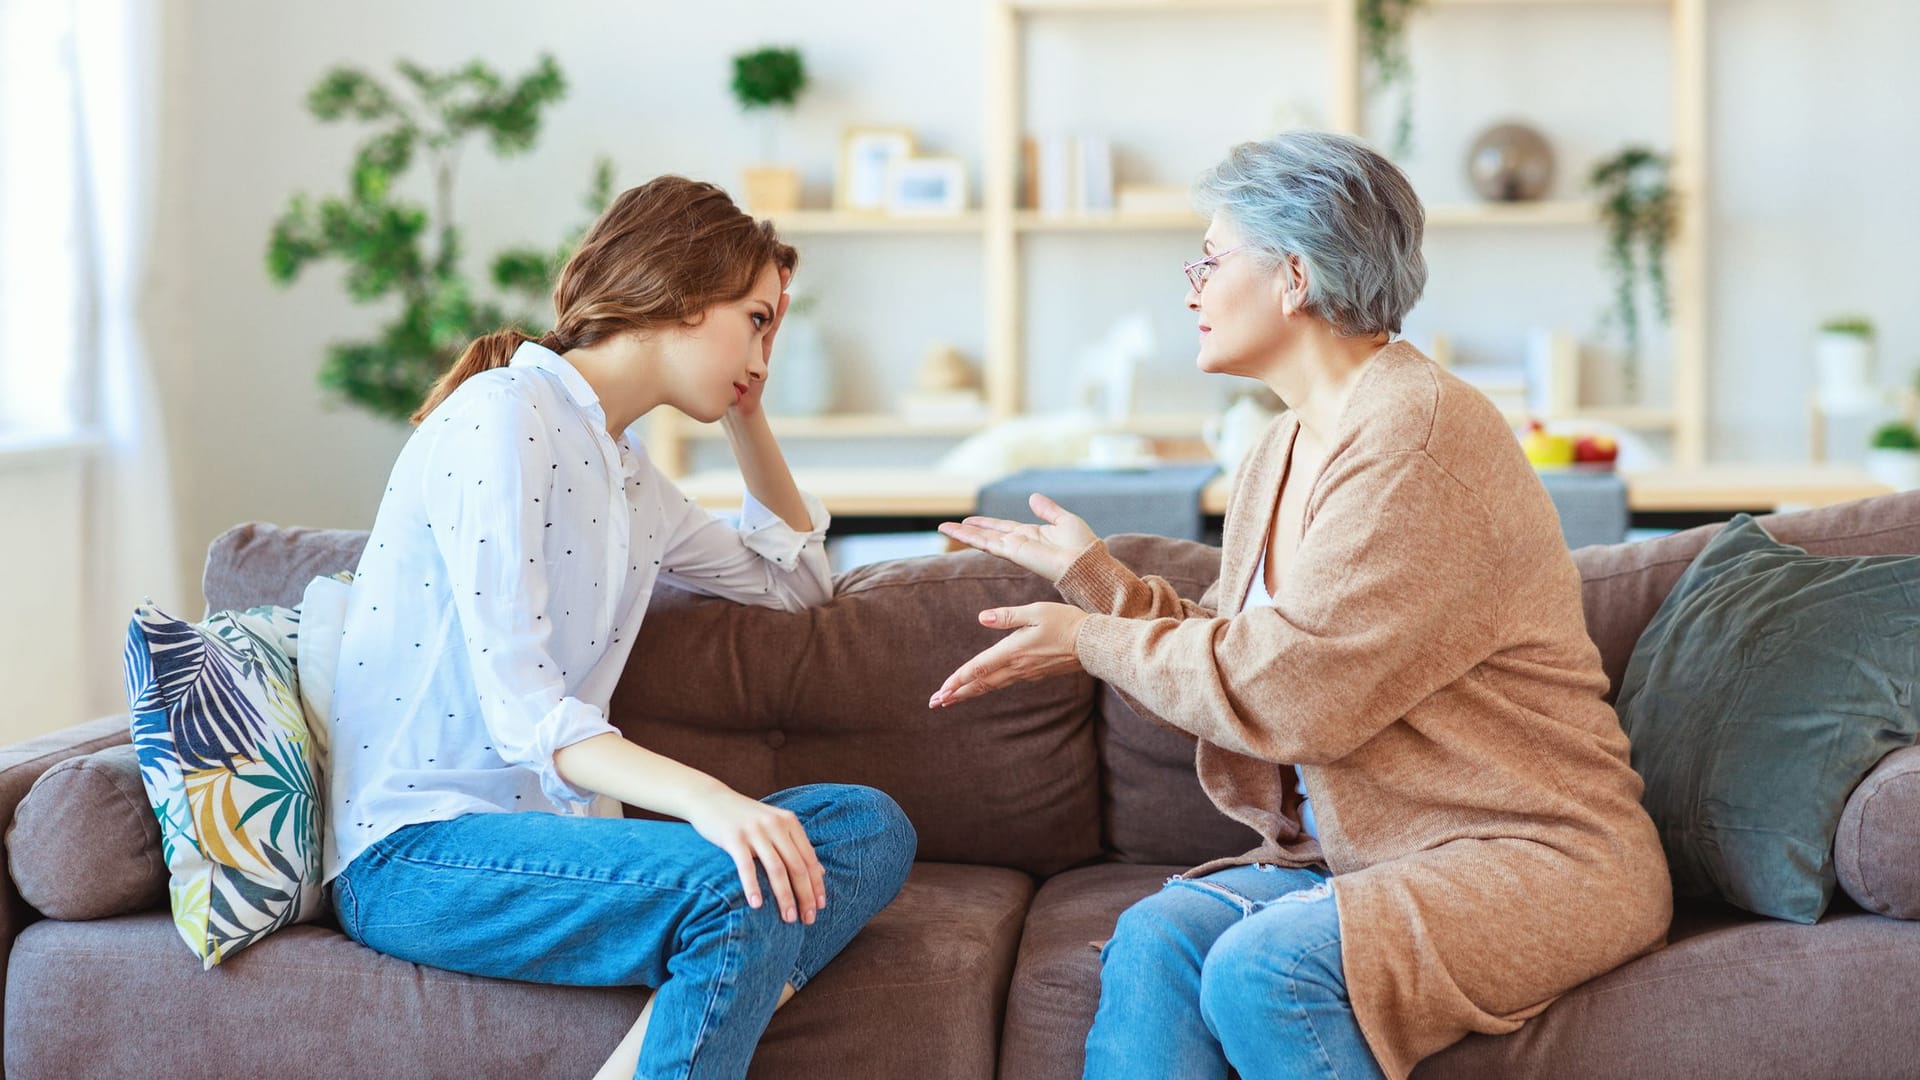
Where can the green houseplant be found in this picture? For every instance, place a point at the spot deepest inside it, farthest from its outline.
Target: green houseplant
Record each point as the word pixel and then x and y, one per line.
pixel 1383 38
pixel 1639 210
pixel 766 81
pixel 1893 455
pixel 393 246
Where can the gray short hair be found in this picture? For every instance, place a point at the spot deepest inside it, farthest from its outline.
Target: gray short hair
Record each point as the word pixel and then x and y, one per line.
pixel 1341 206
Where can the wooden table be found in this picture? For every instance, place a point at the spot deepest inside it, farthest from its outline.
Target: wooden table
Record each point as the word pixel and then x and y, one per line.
pixel 922 495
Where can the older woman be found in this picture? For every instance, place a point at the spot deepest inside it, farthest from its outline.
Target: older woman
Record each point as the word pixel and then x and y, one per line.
pixel 1391 680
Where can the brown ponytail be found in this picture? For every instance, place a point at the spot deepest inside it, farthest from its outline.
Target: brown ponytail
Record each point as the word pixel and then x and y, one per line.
pixel 662 253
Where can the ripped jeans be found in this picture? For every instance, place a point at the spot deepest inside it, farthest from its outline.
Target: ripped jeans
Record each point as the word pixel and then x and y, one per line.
pixel 1239 968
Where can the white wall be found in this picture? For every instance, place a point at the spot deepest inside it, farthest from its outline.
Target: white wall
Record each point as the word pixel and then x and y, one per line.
pixel 43 665
pixel 1814 149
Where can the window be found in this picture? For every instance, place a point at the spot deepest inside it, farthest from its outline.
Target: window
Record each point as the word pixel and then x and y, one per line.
pixel 40 238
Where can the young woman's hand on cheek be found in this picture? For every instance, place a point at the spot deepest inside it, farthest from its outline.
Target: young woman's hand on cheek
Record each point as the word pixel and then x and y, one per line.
pixel 751 831
pixel 1041 646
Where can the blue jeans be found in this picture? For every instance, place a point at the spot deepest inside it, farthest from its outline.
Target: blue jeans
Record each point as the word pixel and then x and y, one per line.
pixel 1240 968
pixel 585 901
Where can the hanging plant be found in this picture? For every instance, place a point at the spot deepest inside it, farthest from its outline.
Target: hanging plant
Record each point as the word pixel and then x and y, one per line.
pixel 1637 207
pixel 1383 38
pixel 395 247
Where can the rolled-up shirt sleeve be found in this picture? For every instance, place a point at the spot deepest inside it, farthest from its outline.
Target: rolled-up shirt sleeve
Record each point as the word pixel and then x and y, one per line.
pixel 486 485
pixel 764 561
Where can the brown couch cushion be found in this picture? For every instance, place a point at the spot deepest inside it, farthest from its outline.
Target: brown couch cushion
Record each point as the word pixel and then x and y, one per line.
pixel 1877 850
pixel 84 843
pixel 1622 585
pixel 1056 983
pixel 1152 805
pixel 918 993
pixel 260 563
pixel 766 699
pixel 1733 996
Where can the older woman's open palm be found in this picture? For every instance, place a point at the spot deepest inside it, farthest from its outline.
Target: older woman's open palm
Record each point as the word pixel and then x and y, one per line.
pixel 1046 549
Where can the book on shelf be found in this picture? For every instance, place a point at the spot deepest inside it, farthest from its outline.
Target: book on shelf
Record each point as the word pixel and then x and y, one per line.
pixel 1068 175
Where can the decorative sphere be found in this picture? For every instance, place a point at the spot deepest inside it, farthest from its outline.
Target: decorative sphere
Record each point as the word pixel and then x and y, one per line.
pixel 1510 163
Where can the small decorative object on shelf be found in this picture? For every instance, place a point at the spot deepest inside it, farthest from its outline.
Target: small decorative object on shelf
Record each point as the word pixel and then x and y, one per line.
pixel 865 156
pixel 1104 378
pixel 1843 365
pixel 1234 432
pixel 800 376
pixel 766 80
pixel 926 185
pixel 1637 204
pixel 946 389
pixel 1383 34
pixel 383 237
pixel 1510 162
pixel 1894 457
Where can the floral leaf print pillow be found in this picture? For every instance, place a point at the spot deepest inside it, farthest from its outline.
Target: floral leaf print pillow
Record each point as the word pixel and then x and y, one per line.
pixel 230 770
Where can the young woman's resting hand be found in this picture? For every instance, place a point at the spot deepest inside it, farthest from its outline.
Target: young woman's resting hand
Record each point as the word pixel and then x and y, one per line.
pixel 750 830
pixel 1046 549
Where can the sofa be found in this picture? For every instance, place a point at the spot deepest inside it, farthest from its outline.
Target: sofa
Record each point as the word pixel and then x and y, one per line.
pixel 1042 811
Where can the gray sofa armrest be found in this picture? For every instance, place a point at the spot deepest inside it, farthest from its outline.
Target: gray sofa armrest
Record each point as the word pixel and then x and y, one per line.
pixel 20 765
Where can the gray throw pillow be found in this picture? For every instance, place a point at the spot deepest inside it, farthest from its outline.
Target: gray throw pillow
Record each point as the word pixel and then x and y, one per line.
pixel 1768 684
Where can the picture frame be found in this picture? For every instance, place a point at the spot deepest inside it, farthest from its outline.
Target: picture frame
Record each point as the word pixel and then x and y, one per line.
pixel 865 155
pixel 927 186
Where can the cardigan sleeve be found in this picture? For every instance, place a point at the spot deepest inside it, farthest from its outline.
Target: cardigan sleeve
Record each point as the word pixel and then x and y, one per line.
pixel 1096 581
pixel 1392 595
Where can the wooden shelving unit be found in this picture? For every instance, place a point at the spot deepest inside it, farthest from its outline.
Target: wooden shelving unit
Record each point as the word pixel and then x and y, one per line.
pixel 1002 224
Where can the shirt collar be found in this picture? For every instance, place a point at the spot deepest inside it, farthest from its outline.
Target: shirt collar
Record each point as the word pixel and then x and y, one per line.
pixel 532 354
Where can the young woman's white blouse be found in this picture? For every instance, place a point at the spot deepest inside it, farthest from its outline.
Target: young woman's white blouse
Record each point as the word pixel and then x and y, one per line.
pixel 507 572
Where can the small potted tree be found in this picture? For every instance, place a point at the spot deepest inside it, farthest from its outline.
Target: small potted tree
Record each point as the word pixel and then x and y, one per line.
pixel 766 80
pixel 1843 364
pixel 1894 456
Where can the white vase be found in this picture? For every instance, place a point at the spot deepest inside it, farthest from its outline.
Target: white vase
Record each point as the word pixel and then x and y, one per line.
pixel 1843 366
pixel 800 374
pixel 1898 469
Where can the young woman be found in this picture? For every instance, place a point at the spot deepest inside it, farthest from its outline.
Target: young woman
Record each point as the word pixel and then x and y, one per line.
pixel 1395 640
pixel 477 782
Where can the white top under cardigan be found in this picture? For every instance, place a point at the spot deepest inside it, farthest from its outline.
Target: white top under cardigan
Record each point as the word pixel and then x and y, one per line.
pixel 505 577
pixel 1257 596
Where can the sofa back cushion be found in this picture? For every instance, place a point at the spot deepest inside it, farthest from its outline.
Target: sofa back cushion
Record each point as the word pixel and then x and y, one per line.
pixel 1152 807
pixel 1622 585
pixel 766 700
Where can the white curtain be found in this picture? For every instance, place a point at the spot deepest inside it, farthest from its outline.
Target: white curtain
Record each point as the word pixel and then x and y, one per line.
pixel 130 530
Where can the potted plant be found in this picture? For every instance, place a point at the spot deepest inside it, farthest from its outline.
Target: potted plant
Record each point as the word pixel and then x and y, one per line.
pixel 763 81
pixel 1383 35
pixel 395 247
pixel 1638 208
pixel 1893 457
pixel 1843 364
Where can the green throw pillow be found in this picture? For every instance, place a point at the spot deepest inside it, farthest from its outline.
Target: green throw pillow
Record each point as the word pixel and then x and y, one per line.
pixel 1766 687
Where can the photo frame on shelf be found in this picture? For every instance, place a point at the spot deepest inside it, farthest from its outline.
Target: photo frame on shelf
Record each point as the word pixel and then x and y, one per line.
pixel 926 185
pixel 866 153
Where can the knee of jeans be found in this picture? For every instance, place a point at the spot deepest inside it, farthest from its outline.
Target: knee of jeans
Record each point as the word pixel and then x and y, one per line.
pixel 1145 935
pixel 1251 969
pixel 859 813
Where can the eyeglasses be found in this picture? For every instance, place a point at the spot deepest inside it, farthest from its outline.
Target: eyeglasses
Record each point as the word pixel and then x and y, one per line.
pixel 1199 270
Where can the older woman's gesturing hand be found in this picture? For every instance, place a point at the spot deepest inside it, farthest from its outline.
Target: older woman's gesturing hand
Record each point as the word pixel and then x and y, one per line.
pixel 1040 646
pixel 1046 550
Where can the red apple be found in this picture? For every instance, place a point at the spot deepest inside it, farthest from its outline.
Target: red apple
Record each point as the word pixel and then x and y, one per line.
pixel 1596 450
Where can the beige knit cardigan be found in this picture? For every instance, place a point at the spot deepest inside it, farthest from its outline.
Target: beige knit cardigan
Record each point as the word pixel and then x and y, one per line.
pixel 1426 663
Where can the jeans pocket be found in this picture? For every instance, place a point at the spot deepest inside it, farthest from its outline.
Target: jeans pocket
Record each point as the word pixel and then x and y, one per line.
pixel 346 908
